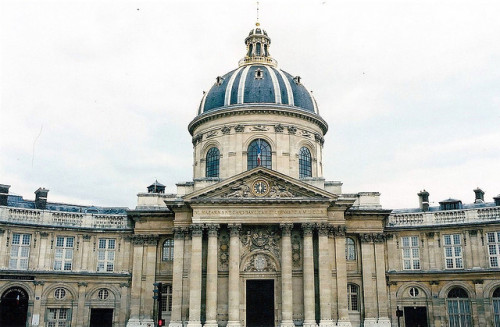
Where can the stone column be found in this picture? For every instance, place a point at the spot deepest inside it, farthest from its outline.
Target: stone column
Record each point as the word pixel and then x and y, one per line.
pixel 178 268
pixel 383 315
pixel 147 302
pixel 37 303
pixel 286 276
pixel 325 275
pixel 136 291
pixel 344 320
pixel 474 244
pixel 195 276
pixel 212 256
pixel 309 296
pixel 80 321
pixel 234 276
pixel 369 293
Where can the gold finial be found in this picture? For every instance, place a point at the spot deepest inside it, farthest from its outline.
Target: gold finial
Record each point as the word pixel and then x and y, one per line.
pixel 257 23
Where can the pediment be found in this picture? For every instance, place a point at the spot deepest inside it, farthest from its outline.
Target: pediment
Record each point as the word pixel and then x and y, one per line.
pixel 260 184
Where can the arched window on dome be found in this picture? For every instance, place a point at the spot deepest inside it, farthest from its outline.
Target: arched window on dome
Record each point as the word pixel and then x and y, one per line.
pixel 250 50
pixel 459 311
pixel 212 163
pixel 266 53
pixel 496 306
pixel 259 154
pixel 305 163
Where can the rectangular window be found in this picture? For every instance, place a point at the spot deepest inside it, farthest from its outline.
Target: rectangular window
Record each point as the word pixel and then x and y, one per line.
pixel 58 317
pixel 20 251
pixel 106 255
pixel 411 253
pixel 166 294
pixel 63 257
pixel 494 249
pixel 453 253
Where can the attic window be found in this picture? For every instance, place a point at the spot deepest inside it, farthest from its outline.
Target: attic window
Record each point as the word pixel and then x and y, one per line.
pixel 259 74
pixel 219 80
pixel 296 79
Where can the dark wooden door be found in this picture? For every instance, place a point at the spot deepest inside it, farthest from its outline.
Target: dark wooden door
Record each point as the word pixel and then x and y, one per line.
pixel 260 303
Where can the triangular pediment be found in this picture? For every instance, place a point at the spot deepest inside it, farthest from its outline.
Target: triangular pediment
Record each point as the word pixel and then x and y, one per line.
pixel 260 184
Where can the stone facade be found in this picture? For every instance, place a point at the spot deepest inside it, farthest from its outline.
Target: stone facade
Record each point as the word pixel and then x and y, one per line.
pixel 261 246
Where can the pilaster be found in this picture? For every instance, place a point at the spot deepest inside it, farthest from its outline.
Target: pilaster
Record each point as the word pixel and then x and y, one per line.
pixel 309 294
pixel 195 276
pixel 178 268
pixel 234 276
pixel 325 273
pixel 286 276
pixel 211 297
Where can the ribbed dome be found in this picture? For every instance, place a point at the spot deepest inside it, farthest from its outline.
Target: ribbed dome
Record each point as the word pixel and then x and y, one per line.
pixel 257 81
pixel 257 84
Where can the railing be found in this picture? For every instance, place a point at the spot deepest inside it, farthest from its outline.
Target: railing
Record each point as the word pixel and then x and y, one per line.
pixel 448 217
pixel 65 219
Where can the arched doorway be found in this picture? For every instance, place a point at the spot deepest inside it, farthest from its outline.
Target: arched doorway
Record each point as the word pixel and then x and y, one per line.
pixel 14 307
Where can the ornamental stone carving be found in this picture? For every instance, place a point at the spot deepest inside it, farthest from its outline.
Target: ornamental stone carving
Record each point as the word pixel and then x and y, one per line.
pixel 323 229
pixel 307 229
pixel 239 128
pixel 260 239
pixel 292 130
pixel 278 128
pixel 260 128
pixel 306 134
pixel 144 239
pixel 223 250
pixel 241 190
pixel 260 263
pixel 197 139
pixel 278 191
pixel 213 229
pixel 296 249
pixel 179 232
pixel 286 229
pixel 211 134
pixel 226 130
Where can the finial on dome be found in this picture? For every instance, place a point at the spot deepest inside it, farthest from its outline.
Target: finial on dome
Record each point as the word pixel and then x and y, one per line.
pixel 257 23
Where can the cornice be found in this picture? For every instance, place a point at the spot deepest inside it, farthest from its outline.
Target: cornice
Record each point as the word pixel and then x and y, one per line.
pixel 247 109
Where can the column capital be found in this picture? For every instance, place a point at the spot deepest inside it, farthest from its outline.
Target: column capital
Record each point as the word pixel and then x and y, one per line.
pixel 286 229
pixel 212 229
pixel 179 232
pixel 339 230
pixel 234 229
pixel 38 282
pixel 196 230
pixel 323 229
pixel 307 228
pixel 144 239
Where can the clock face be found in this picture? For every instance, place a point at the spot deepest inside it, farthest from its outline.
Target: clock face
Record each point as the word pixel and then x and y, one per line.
pixel 260 187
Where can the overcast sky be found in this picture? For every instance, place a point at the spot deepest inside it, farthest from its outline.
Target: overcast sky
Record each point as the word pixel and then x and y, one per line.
pixel 96 96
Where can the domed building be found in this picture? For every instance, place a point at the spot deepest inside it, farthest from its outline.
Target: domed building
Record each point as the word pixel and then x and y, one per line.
pixel 257 238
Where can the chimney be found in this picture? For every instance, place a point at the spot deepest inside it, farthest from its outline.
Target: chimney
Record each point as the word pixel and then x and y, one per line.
pixel 479 195
pixel 497 200
pixel 41 198
pixel 423 199
pixel 4 194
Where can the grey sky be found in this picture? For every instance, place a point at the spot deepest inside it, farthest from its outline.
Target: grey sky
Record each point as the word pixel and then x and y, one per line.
pixel 96 96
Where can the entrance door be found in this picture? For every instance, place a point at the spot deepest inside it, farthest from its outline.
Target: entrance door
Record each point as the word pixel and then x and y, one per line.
pixel 260 303
pixel 101 318
pixel 415 316
pixel 14 308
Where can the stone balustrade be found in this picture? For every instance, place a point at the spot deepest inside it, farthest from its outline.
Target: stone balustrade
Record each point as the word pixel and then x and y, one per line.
pixel 445 217
pixel 65 219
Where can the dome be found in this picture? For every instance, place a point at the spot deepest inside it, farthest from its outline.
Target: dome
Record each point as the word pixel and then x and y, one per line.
pixel 257 81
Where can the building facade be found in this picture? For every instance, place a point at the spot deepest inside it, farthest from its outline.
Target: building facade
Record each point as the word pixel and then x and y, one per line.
pixel 257 238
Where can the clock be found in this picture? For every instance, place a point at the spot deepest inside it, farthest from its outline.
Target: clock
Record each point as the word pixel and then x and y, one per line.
pixel 260 187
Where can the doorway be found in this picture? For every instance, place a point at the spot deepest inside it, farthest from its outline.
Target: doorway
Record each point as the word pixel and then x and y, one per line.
pixel 14 308
pixel 260 303
pixel 415 316
pixel 101 317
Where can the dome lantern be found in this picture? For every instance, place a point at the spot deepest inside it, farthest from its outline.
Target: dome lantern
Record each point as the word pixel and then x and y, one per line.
pixel 258 43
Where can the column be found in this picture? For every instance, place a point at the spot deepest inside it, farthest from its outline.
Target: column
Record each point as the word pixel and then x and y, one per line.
pixel 178 268
pixel 309 298
pixel 82 286
pixel 286 276
pixel 195 276
pixel 325 273
pixel 212 256
pixel 474 244
pixel 383 315
pixel 234 276
pixel 37 303
pixel 344 320
pixel 136 291
pixel 147 302
pixel 369 294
